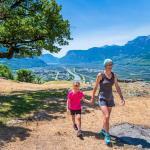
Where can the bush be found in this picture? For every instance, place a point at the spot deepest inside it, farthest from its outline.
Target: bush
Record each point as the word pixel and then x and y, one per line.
pixel 5 72
pixel 38 80
pixel 24 75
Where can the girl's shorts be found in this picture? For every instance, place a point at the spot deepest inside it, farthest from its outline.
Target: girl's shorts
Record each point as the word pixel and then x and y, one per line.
pixel 75 112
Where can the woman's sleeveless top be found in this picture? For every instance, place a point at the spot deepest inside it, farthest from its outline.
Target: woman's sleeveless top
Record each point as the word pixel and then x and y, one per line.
pixel 106 84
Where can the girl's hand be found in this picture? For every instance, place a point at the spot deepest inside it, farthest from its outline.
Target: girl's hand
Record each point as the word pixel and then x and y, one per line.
pixel 122 102
pixel 86 101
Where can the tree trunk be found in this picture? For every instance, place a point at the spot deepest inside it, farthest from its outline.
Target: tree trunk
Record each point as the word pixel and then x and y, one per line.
pixel 8 54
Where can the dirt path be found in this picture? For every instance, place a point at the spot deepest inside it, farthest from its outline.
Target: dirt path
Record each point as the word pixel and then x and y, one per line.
pixel 58 134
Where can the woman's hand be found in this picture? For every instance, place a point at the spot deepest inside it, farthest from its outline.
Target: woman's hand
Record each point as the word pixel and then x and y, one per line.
pixel 119 91
pixel 92 100
pixel 122 102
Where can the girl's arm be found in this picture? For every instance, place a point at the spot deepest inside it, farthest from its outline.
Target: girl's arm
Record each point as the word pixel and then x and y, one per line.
pixel 86 101
pixel 67 104
pixel 98 79
pixel 119 91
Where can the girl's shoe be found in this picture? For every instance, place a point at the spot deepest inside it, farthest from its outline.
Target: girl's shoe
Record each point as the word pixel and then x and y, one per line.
pixel 79 134
pixel 107 139
pixel 75 127
pixel 101 134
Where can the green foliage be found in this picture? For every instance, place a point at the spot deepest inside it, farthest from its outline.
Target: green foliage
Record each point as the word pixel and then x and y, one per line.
pixel 5 72
pixel 38 80
pixel 24 75
pixel 27 30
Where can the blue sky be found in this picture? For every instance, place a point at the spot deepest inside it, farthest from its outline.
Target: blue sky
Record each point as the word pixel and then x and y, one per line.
pixel 95 23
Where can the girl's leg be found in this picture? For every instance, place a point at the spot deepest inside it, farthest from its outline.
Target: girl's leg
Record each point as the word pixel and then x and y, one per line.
pixel 78 121
pixel 106 115
pixel 73 119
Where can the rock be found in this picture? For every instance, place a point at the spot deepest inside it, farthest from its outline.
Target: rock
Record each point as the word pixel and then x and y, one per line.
pixel 133 135
pixel 15 121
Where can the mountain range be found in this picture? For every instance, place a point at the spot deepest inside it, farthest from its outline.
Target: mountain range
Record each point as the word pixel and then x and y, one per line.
pixel 138 49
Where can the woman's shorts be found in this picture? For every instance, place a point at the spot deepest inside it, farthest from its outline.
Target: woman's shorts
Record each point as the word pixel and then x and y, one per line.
pixel 75 112
pixel 108 103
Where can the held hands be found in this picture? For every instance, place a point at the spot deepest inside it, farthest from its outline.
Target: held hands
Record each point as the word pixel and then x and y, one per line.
pixel 92 101
pixel 87 101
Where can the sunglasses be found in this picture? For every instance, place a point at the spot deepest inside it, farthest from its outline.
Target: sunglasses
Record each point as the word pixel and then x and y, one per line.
pixel 110 65
pixel 76 85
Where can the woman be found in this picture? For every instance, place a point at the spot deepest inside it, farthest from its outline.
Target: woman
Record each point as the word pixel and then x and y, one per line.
pixel 106 80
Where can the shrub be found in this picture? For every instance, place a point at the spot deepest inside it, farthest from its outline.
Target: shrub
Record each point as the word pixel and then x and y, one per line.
pixel 38 80
pixel 6 72
pixel 24 75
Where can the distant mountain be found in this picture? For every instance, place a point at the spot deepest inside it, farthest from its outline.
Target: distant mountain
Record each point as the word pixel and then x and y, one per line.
pixel 137 48
pixel 90 55
pixel 48 58
pixel 18 63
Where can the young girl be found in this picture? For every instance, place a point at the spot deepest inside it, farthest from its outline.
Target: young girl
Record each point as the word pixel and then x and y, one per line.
pixel 74 98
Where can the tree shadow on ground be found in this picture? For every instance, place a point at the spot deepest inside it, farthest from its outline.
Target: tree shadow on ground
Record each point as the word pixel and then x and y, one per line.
pixel 28 106
pixel 19 105
pixel 10 134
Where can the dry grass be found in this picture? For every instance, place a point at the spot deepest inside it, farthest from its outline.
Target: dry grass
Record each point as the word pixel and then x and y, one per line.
pixel 9 86
pixel 57 134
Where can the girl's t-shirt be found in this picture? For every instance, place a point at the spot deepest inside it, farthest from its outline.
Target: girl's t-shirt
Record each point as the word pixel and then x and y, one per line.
pixel 74 100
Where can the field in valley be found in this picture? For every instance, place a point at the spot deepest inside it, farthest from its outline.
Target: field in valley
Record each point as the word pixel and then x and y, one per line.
pixel 87 71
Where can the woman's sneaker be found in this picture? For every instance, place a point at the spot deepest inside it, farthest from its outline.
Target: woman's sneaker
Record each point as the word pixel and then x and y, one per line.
pixel 75 127
pixel 107 138
pixel 101 134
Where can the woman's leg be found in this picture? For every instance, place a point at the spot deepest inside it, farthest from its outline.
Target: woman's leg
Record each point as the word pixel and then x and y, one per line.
pixel 109 110
pixel 106 115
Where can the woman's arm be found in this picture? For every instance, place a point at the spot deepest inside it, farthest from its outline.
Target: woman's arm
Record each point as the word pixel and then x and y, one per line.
pixel 119 90
pixel 98 79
